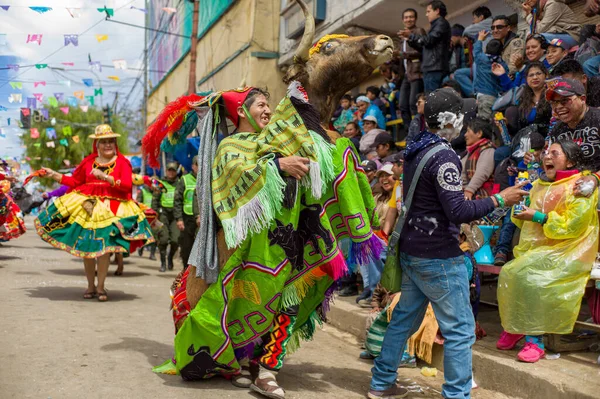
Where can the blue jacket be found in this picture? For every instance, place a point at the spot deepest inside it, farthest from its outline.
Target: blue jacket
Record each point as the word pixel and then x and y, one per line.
pixel 438 206
pixel 485 81
pixel 374 110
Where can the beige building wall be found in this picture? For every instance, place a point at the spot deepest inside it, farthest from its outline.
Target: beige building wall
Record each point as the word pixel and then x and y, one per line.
pixel 234 52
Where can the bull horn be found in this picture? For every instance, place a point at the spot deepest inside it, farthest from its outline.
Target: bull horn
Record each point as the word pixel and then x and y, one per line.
pixel 309 32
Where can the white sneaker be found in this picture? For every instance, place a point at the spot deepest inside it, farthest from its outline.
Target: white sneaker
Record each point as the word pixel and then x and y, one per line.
pixel 596 269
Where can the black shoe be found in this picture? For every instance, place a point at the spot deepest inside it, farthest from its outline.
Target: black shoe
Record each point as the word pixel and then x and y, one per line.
pixel 163 268
pixel 350 290
pixel 141 251
pixel 170 264
pixel 364 295
pixel 163 262
pixel 152 256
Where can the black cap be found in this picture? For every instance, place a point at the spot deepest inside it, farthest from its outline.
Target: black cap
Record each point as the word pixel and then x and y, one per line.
pixel 440 101
pixel 564 87
pixel 369 166
pixel 384 138
pixel 394 158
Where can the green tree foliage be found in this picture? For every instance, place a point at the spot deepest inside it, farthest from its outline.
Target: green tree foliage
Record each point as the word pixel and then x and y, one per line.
pixel 82 124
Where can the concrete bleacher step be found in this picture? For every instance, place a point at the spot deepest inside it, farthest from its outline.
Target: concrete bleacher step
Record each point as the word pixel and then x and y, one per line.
pixel 574 376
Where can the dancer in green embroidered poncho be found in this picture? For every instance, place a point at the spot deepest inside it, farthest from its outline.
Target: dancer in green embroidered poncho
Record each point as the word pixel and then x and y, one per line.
pixel 284 193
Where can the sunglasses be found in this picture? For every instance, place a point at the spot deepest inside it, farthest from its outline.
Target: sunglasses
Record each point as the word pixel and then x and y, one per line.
pixel 563 101
pixel 498 27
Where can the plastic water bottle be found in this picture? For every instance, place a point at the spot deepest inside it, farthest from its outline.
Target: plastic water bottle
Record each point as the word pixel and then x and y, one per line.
pixel 523 176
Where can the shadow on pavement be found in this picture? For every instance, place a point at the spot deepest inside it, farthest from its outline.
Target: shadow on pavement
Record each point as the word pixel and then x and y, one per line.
pixel 75 294
pixel 300 377
pixel 2 257
pixel 29 273
pixel 80 272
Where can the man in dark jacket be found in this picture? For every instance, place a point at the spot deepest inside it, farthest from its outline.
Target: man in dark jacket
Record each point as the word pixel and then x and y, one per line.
pixel 412 84
pixel 433 265
pixel 435 46
pixel 186 211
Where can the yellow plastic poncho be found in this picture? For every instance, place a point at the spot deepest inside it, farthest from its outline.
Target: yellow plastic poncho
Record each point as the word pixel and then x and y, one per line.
pixel 540 291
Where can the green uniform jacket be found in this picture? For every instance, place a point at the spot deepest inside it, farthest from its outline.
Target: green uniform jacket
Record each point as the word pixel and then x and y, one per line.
pixel 156 198
pixel 178 202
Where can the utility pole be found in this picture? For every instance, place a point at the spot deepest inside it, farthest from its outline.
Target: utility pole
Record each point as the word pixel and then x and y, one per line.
pixel 192 82
pixel 145 83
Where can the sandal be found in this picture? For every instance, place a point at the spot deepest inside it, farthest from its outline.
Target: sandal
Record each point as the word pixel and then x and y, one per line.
pixel 102 296
pixel 268 387
pixel 243 379
pixel 89 295
pixel 119 272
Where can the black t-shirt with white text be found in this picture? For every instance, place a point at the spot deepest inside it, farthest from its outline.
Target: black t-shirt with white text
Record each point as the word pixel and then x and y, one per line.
pixel 586 134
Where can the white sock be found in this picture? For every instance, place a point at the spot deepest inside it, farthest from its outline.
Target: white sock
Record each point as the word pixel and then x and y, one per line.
pixel 264 373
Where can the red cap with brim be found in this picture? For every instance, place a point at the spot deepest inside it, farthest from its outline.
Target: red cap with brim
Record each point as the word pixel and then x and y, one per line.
pixel 233 99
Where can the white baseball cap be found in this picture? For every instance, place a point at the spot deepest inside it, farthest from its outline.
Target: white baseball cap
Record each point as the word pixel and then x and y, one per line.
pixel 370 118
pixel 386 168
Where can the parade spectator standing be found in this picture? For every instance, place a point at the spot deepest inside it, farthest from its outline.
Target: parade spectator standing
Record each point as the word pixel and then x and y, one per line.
pixel 571 69
pixel 346 114
pixel 433 265
pixel 365 109
pixel 186 211
pixel 412 84
pixel 435 46
pixel 478 163
pixel 352 131
pixel 162 203
pixel 367 142
pixel 486 84
pixel 511 43
pixel 555 20
pixel 457 56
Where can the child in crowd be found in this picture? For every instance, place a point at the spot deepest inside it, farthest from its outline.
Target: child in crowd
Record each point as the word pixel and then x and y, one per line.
pixel 504 244
pixel 486 84
pixel 347 114
pixel 557 51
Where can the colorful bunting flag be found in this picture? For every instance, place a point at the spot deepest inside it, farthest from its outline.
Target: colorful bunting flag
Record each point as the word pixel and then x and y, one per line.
pixel 90 100
pixel 16 85
pixel 169 10
pixel 120 64
pixel 101 38
pixel 15 98
pixel 44 112
pixel 2 135
pixel 41 66
pixel 25 111
pixel 75 12
pixel 96 65
pixel 50 144
pixel 31 102
pixel 34 133
pixel 65 110
pixel 72 101
pixel 67 131
pixel 37 145
pixel 36 84
pixel 139 9
pixel 79 94
pixel 13 67
pixel 64 142
pixel 109 11
pixel 3 108
pixel 38 96
pixel 72 39
pixel 7 119
pixel 115 78
pixel 50 133
pixel 59 96
pixel 5 8
pixel 52 101
pixel 84 108
pixel 34 37
pixel 88 82
pixel 75 140
pixel 68 63
pixel 98 92
pixel 53 121
pixel 41 10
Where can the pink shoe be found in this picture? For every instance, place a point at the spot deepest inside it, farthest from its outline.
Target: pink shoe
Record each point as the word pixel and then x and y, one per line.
pixel 508 341
pixel 531 353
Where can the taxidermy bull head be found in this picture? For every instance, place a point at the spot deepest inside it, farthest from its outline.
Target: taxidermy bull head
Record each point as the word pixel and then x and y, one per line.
pixel 336 64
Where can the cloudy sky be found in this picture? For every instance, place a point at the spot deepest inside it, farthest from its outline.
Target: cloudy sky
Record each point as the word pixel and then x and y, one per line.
pixel 124 42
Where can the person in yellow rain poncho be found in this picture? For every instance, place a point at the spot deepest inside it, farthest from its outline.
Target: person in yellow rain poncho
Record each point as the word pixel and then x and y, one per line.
pixel 540 291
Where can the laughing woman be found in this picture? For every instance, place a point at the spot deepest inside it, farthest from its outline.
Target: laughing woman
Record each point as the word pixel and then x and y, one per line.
pixel 98 216
pixel 540 291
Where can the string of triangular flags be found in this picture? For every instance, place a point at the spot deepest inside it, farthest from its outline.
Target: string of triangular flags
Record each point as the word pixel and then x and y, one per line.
pixel 75 12
pixel 117 64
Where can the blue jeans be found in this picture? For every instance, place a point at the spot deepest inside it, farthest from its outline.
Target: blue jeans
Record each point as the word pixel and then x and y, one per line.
pixel 444 283
pixel 504 243
pixel 432 81
pixel 565 37
pixel 592 67
pixel 463 77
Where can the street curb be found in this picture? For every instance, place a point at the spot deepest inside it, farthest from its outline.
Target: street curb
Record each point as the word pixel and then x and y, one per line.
pixel 493 370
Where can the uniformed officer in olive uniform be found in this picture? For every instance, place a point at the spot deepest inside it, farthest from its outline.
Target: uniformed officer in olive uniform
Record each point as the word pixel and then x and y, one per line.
pixel 144 196
pixel 186 211
pixel 162 202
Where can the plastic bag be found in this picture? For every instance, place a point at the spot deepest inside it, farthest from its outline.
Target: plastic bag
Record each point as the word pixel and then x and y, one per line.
pixel 540 291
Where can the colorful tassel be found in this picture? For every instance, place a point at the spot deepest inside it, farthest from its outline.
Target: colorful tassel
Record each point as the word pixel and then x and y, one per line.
pixel 362 253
